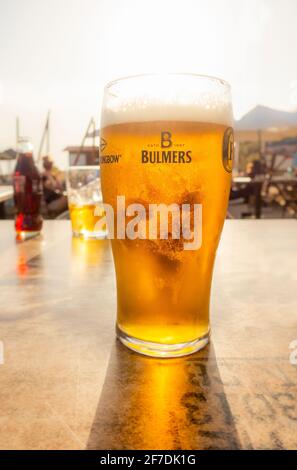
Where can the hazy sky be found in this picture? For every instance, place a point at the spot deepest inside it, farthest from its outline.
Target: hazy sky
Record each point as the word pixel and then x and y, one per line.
pixel 58 54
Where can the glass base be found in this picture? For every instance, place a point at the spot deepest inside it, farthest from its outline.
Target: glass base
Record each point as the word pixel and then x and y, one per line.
pixel 90 235
pixel 23 235
pixel 162 350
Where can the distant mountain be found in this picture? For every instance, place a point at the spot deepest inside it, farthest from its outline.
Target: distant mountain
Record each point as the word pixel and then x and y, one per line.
pixel 262 117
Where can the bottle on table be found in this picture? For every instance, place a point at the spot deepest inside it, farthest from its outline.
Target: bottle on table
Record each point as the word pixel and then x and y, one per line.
pixel 27 184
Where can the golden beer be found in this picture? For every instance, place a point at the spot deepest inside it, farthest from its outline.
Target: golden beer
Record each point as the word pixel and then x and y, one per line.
pixel 83 218
pixel 163 290
pixel 85 201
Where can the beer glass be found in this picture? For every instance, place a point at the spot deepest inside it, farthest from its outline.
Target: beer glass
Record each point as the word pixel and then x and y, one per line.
pixel 166 145
pixel 84 201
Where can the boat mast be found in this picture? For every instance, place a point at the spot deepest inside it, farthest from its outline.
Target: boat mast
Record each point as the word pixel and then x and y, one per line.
pixel 45 138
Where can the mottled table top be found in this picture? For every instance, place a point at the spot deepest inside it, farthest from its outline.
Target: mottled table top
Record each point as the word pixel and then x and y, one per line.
pixel 67 384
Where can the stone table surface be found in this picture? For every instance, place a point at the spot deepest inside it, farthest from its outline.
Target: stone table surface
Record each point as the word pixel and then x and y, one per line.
pixel 66 383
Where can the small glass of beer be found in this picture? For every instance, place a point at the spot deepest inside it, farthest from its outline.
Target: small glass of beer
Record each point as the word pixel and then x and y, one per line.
pixel 85 201
pixel 166 155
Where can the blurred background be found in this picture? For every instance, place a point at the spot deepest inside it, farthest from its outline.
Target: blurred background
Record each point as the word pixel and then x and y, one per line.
pixel 56 56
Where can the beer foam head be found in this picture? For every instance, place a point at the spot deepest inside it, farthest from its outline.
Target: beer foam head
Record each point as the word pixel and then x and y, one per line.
pixel 169 97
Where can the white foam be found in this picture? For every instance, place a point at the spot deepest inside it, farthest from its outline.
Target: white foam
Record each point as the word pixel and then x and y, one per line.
pixel 167 112
pixel 168 99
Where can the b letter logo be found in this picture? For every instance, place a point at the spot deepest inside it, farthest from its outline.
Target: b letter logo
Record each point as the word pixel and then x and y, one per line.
pixel 166 141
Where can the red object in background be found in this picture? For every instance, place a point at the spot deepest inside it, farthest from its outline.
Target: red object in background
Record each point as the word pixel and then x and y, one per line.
pixel 27 185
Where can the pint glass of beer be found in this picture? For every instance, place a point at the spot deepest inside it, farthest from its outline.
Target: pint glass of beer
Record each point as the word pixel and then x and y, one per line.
pixel 166 156
pixel 84 201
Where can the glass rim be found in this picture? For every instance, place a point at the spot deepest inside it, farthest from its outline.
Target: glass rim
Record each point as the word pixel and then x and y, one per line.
pixel 210 78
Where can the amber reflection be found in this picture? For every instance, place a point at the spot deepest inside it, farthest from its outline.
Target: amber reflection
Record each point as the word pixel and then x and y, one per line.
pixel 155 406
pixel 88 253
pixel 149 403
pixel 22 267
